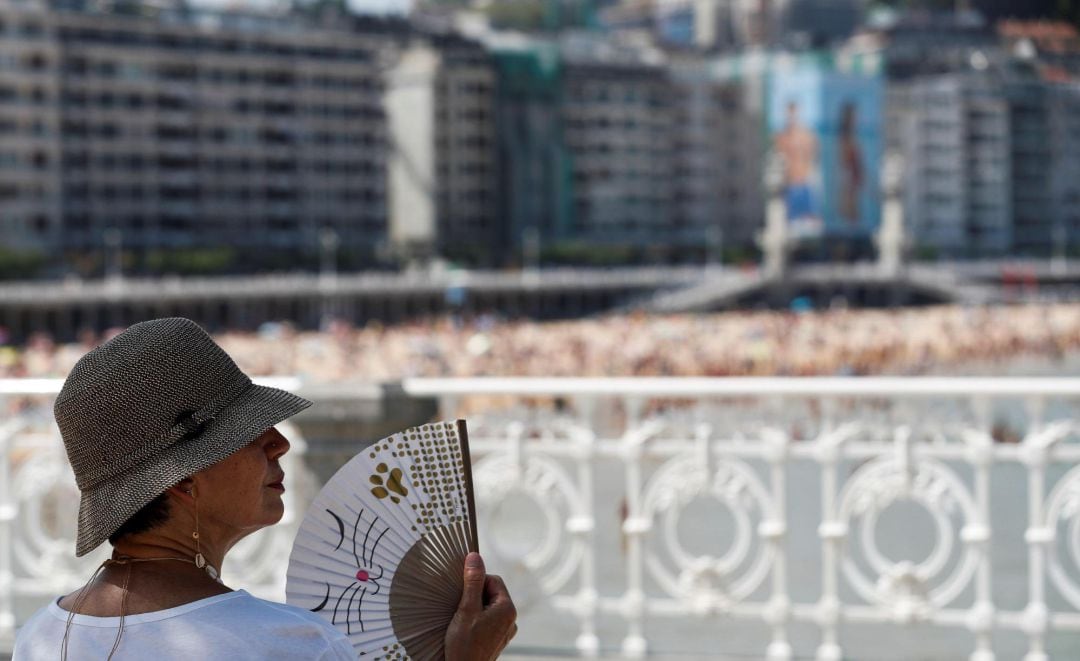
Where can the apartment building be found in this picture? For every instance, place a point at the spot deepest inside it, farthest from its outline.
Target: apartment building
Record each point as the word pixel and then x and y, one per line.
pixel 717 196
pixel 174 129
pixel 1063 128
pixel 535 182
pixel 920 43
pixel 617 115
pixel 953 131
pixel 30 125
pixel 440 102
pixel 992 159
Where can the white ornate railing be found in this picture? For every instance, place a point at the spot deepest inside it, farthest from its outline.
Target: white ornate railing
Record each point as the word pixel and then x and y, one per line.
pixel 840 518
pixel 871 444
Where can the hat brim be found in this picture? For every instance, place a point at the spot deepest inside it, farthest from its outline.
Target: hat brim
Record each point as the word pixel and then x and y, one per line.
pixel 105 507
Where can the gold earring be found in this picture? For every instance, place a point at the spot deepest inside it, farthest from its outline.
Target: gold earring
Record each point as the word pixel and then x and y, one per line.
pixel 200 561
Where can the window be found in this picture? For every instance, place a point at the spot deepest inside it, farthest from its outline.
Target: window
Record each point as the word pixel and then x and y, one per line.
pixel 280 78
pixel 131 71
pixel 106 69
pixel 31 29
pixel 35 62
pixel 176 72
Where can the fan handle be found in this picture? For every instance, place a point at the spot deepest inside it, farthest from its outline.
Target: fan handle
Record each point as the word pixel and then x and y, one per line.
pixel 463 434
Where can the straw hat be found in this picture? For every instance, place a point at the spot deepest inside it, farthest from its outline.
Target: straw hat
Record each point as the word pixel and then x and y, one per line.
pixel 150 407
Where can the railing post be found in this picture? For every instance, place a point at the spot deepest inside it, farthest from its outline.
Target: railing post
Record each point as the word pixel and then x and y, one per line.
pixel 832 533
pixel 977 534
pixel 587 643
pixel 7 534
pixel 635 526
pixel 1036 618
pixel 774 531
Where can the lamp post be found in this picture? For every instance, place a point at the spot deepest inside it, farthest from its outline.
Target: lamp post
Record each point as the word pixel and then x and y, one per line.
pixel 328 240
pixel 774 240
pixel 714 240
pixel 1059 264
pixel 114 254
pixel 891 239
pixel 530 248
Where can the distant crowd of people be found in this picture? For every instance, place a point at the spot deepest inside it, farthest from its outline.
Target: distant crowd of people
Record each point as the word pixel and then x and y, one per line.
pixel 749 343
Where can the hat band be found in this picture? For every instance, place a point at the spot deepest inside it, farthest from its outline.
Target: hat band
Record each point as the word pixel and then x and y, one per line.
pixel 188 424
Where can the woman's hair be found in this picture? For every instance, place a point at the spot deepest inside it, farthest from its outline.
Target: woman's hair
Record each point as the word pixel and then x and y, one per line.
pixel 153 514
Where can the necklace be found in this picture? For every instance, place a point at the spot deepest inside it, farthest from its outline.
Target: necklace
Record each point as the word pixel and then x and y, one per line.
pixel 199 562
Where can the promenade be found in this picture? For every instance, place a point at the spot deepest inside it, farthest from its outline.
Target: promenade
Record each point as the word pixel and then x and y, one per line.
pixel 64 308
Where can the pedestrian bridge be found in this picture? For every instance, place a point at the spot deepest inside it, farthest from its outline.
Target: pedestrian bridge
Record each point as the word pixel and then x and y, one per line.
pixel 826 518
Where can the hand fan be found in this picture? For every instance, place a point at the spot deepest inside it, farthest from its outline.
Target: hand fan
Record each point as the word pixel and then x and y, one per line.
pixel 381 551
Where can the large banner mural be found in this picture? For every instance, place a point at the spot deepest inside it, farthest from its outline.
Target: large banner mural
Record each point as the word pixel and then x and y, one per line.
pixel 826 128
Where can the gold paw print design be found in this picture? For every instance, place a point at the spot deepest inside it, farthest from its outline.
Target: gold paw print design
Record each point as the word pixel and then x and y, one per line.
pixel 393 484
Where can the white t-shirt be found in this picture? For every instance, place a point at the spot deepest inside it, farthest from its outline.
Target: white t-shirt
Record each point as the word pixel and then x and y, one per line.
pixel 229 626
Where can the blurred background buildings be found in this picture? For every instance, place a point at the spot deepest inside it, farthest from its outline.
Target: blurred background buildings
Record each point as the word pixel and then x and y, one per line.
pixel 194 139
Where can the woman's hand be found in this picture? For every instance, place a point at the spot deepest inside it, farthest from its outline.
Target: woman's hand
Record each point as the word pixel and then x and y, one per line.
pixel 485 620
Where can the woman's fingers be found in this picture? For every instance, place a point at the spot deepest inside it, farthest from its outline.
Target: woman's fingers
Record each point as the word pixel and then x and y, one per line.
pixel 495 590
pixel 499 603
pixel 472 595
pixel 486 618
pixel 500 609
pixel 510 635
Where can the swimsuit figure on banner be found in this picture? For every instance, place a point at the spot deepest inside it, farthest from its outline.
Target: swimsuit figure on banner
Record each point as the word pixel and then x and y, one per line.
pixel 798 148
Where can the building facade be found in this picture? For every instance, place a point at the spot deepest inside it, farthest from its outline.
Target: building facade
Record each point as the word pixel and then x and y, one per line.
pixel 465 169
pixel 992 161
pixel 1064 137
pixel 985 121
pixel 953 132
pixel 181 131
pixel 717 196
pixel 617 113
pixel 440 102
pixel 535 184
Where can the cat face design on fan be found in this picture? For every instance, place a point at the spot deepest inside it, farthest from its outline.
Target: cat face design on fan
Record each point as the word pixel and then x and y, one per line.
pixel 366 581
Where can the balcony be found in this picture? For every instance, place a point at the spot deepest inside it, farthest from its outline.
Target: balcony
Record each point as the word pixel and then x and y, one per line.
pixel 885 518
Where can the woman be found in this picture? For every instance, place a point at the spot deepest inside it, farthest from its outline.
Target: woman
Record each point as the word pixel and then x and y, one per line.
pixel 851 165
pixel 176 457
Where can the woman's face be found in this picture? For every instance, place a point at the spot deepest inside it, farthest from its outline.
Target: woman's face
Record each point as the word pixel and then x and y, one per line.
pixel 243 492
